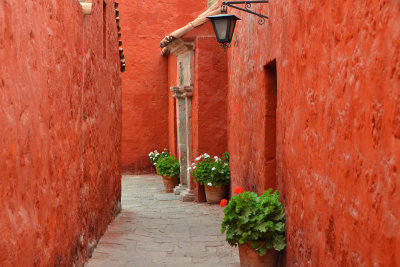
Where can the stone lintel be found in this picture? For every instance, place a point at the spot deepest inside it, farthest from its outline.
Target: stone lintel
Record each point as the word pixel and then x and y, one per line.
pixel 179 46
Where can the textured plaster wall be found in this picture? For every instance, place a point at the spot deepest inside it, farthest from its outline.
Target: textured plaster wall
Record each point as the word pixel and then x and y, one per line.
pixel 145 83
pixel 338 125
pixel 172 129
pixel 209 105
pixel 60 117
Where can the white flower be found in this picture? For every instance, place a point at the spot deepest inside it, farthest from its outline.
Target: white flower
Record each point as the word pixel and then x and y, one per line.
pixel 154 164
pixel 209 184
pixel 213 169
pixel 193 164
pixel 157 154
pixel 198 158
pixel 194 167
pixel 206 155
pixel 225 164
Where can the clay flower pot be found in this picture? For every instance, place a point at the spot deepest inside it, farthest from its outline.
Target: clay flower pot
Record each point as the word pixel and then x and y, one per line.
pixel 215 194
pixel 249 258
pixel 170 183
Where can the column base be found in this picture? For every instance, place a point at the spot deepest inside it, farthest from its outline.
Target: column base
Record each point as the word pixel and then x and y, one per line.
pixel 178 189
pixel 187 196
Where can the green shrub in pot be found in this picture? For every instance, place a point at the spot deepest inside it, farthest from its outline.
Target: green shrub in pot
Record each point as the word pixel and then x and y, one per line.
pixel 256 219
pixel 168 166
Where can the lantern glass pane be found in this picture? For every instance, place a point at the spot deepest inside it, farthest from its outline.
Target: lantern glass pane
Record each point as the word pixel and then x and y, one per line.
pixel 221 26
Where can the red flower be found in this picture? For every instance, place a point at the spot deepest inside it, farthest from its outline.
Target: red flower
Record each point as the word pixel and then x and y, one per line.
pixel 223 202
pixel 238 190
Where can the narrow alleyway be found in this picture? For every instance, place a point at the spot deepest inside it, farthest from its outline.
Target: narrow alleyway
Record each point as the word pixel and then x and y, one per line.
pixel 156 229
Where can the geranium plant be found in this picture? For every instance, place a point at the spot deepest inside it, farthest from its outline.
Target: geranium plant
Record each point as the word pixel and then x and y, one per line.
pixel 256 219
pixel 154 156
pixel 168 166
pixel 211 171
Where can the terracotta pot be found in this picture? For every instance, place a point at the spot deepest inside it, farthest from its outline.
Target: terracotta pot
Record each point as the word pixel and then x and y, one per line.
pixel 249 258
pixel 170 183
pixel 214 194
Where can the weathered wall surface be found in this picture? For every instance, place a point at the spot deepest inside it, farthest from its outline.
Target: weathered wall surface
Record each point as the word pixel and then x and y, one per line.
pixel 60 117
pixel 172 129
pixel 209 105
pixel 337 125
pixel 145 83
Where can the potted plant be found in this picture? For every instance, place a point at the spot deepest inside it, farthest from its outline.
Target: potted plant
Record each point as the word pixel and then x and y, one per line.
pixel 154 156
pixel 168 167
pixel 214 174
pixel 257 225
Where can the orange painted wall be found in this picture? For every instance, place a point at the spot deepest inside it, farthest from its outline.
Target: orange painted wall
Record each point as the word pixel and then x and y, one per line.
pixel 337 125
pixel 172 128
pixel 60 117
pixel 145 83
pixel 209 105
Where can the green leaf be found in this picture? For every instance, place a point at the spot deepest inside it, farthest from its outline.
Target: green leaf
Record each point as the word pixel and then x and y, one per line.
pixel 249 217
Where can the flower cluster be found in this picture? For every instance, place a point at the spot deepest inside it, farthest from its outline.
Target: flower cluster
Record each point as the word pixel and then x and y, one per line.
pixel 154 156
pixel 211 171
pixel 236 190
pixel 256 219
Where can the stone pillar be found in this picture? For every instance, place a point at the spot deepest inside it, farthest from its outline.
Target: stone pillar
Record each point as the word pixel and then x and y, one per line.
pixel 187 195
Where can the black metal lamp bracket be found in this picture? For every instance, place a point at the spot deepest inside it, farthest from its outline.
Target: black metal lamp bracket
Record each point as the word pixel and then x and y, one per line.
pixel 247 6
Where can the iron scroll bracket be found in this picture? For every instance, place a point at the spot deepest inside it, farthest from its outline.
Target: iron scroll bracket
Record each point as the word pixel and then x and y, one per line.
pixel 247 6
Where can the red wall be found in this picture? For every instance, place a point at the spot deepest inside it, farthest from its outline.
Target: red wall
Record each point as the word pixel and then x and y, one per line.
pixel 145 83
pixel 209 105
pixel 60 117
pixel 172 127
pixel 337 125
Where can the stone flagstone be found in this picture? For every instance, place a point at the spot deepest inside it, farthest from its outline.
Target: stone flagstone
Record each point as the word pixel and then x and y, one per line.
pixel 156 229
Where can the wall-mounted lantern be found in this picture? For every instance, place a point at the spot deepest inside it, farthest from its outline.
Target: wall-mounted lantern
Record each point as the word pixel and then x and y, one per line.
pixel 224 24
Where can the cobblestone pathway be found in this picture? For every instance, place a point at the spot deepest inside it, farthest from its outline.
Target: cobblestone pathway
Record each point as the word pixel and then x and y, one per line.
pixel 156 229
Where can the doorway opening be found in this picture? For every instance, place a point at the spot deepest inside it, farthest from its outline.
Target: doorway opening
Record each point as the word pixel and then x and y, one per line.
pixel 271 100
pixel 104 29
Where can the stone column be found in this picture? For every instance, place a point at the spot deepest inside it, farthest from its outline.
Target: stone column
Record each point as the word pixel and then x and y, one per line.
pixel 187 195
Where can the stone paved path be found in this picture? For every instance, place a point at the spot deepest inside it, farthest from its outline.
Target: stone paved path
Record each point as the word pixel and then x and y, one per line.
pixel 156 229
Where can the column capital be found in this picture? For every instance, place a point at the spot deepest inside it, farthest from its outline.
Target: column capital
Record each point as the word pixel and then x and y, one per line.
pixel 187 91
pixel 178 91
pixel 182 91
